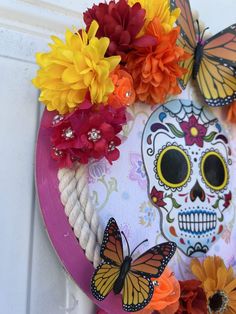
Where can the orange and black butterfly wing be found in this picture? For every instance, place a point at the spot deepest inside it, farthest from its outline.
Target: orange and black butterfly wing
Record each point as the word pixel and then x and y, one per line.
pixel 186 64
pixel 185 21
pixel 222 46
pixel 187 39
pixel 112 248
pixel 217 73
pixel 112 253
pixel 153 262
pixel 217 82
pixel 103 280
pixel 137 292
pixel 138 287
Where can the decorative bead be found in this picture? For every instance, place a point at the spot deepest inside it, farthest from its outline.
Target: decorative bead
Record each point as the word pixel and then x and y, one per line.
pixel 57 152
pixel 94 135
pixel 128 94
pixel 111 146
pixel 57 119
pixel 68 133
pixel 155 283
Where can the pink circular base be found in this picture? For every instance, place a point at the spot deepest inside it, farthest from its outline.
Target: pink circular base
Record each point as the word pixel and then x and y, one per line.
pixel 57 225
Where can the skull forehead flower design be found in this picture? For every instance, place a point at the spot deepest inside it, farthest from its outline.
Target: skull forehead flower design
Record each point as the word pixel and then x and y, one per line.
pixel 187 160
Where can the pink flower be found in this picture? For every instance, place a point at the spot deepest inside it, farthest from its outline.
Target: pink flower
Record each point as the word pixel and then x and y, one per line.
pixel 87 133
pixel 194 131
pixel 226 236
pixel 137 171
pixel 157 197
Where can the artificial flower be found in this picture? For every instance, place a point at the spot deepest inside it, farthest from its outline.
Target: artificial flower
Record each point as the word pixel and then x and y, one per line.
pixel 156 70
pixel 231 112
pixel 160 9
pixel 73 68
pixel 218 282
pixel 87 133
pixel 119 22
pixel 194 132
pixel 124 93
pixel 157 197
pixel 166 294
pixel 192 298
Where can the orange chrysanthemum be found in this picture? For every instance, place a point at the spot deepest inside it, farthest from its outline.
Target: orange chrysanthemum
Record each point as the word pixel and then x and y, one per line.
pixel 156 70
pixel 231 112
pixel 124 93
pixel 166 295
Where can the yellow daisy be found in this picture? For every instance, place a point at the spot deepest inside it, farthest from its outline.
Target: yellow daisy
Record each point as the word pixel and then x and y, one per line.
pixel 73 68
pixel 160 9
pixel 218 282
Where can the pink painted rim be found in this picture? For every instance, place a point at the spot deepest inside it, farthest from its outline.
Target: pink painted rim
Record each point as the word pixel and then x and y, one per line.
pixel 60 233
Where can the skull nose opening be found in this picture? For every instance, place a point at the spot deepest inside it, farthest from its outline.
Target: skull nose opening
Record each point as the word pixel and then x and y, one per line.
pixel 197 191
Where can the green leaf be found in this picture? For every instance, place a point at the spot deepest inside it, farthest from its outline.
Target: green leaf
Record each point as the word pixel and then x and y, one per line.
pixel 175 131
pixel 170 220
pixel 216 205
pixel 175 204
pixel 210 137
pixel 112 184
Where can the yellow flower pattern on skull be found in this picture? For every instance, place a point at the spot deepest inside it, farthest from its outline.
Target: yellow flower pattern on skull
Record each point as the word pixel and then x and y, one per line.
pixel 73 68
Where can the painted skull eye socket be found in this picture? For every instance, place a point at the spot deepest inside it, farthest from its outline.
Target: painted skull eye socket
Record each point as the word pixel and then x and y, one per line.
pixel 173 167
pixel 214 170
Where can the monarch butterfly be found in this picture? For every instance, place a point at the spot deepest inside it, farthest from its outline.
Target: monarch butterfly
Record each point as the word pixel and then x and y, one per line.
pixel 133 278
pixel 212 62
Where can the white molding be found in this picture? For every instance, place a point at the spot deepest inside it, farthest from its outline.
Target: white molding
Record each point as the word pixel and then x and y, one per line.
pixel 38 18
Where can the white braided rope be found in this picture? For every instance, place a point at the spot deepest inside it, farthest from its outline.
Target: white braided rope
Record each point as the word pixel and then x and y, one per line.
pixel 83 218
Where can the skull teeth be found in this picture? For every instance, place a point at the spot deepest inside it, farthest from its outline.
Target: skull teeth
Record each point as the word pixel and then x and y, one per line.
pixel 197 222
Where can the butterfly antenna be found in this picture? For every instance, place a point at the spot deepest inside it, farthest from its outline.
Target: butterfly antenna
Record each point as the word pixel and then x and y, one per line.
pixel 198 27
pixel 203 33
pixel 138 246
pixel 126 242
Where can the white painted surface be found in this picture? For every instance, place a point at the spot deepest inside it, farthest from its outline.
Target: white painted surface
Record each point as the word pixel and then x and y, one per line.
pixel 32 280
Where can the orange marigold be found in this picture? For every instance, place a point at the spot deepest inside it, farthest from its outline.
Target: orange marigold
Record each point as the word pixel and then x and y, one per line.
pixel 156 70
pixel 124 93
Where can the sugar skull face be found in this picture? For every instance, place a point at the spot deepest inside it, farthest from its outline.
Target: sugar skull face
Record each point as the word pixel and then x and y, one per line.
pixel 187 161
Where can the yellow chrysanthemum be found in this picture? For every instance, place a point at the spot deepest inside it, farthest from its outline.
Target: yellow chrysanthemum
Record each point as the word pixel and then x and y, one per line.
pixel 218 282
pixel 73 68
pixel 160 9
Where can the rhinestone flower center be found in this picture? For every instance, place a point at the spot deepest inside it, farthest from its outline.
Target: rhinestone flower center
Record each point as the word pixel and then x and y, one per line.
pixel 111 146
pixel 68 133
pixel 57 152
pixel 57 119
pixel 94 135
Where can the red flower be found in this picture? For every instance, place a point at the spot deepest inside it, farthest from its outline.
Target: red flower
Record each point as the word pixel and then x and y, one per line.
pixel 157 197
pixel 87 133
pixel 120 23
pixel 227 199
pixel 194 131
pixel 192 298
